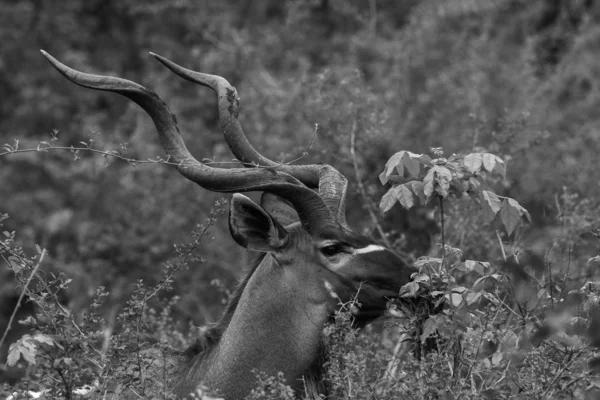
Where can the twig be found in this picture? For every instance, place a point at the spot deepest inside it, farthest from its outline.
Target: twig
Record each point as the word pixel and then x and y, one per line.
pixel 563 369
pixel 159 160
pixel 361 187
pixel 566 276
pixel 90 149
pixel 305 152
pixel 501 245
pixel 21 296
pixel 487 319
pixel 443 237
pixel 41 279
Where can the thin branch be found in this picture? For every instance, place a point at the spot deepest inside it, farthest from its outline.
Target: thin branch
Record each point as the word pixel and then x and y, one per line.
pixel 563 369
pixel 361 187
pixel 501 245
pixel 305 152
pixel 443 236
pixel 46 289
pixel 21 296
pixel 160 160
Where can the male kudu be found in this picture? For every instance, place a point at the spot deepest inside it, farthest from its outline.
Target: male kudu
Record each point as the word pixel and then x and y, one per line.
pixel 275 321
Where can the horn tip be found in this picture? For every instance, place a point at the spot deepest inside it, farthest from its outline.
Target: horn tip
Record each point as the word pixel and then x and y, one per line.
pixel 157 56
pixel 57 64
pixel 45 54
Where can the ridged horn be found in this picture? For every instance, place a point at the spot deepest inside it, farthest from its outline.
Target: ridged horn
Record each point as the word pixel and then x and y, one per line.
pixel 313 212
pixel 331 183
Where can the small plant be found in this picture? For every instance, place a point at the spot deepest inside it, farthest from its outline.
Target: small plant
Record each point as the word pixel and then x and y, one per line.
pixel 419 179
pixel 485 336
pixel 69 357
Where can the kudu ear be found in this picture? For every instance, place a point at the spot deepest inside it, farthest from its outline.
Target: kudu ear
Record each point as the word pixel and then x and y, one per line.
pixel 278 208
pixel 253 228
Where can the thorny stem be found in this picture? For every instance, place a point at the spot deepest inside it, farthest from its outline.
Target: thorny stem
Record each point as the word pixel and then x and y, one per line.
pixel 167 279
pixel 21 296
pixel 305 152
pixel 443 237
pixel 158 160
pixel 138 352
pixel 68 393
pixel 563 369
pixel 501 246
pixel 566 273
pixel 361 187
pixel 47 290
pixel 487 319
pixel 104 153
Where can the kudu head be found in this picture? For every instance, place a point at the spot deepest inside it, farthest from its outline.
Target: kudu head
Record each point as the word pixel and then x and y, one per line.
pixel 313 261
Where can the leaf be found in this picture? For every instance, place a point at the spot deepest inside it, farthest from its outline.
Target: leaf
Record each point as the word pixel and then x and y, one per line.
pixel 418 188
pixel 472 297
pixel 481 266
pixel 432 262
pixel 399 193
pixel 409 290
pixel 430 326
pixel 500 167
pixel 387 201
pixel 13 355
pixel 404 161
pixel 392 163
pixel 428 182
pixel 489 161
pixel 522 210
pixel 460 266
pixel 394 311
pixel 423 158
pixel 470 265
pixel 25 348
pixel 411 163
pixel 477 266
pixel 421 278
pixel 15 264
pixel 478 281
pixel 496 358
pixel 383 178
pixel 473 162
pixel 491 204
pixel 404 196
pixel 43 339
pixel 474 184
pixel 28 353
pixel 443 176
pixel 454 298
pixel 510 216
pixel 594 260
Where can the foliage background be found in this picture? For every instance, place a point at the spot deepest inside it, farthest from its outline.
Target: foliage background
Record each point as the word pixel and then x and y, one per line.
pixel 516 77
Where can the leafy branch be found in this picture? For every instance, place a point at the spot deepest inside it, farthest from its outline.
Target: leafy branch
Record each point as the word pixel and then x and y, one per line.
pixel 419 179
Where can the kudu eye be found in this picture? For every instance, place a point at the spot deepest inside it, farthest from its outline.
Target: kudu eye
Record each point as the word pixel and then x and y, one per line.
pixel 332 249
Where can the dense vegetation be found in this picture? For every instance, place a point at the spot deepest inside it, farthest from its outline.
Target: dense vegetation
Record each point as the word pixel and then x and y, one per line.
pixel 513 78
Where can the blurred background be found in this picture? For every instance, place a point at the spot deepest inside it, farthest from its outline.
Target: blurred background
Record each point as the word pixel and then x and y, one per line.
pixel 519 78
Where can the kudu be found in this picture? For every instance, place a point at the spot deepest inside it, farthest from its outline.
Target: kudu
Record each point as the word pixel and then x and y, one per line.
pixel 275 320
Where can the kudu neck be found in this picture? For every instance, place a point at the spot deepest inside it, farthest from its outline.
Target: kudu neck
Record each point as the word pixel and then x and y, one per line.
pixel 274 328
